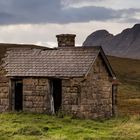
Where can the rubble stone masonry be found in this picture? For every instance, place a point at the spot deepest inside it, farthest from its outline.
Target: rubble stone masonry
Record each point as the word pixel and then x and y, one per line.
pixel 36 95
pixel 89 97
pixel 4 91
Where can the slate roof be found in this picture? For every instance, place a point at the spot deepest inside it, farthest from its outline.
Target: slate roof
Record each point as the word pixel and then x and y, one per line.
pixel 58 62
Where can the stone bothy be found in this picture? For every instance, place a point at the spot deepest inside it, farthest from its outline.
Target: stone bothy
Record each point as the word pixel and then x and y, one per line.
pixel 75 81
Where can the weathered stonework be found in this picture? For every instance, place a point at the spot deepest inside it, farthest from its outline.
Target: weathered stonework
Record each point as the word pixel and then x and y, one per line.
pixel 87 97
pixel 4 91
pixel 66 40
pixel 90 97
pixel 36 95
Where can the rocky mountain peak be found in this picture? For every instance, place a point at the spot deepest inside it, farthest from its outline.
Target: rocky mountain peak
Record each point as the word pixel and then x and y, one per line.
pixel 136 27
pixel 124 44
pixel 96 38
pixel 101 33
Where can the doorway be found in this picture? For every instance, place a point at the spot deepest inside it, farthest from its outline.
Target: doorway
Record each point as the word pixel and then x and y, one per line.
pixel 114 101
pixel 56 92
pixel 18 95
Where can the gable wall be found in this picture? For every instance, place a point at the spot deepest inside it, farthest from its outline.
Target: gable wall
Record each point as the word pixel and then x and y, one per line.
pixel 96 99
pixel 90 97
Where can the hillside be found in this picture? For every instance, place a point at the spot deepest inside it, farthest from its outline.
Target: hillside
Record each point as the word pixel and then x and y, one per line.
pixel 126 44
pixel 4 46
pixel 128 70
pixel 128 73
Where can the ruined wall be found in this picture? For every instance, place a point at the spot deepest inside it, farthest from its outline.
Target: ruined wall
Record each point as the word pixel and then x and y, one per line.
pixel 90 97
pixel 36 95
pixel 4 91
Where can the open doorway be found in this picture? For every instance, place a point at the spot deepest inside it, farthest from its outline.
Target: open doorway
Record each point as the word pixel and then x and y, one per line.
pixel 56 92
pixel 114 103
pixel 17 95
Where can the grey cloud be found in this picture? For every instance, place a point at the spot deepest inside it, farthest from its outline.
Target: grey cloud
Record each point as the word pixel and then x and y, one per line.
pixel 53 11
pixel 128 15
pixel 131 20
pixel 69 2
pixel 5 15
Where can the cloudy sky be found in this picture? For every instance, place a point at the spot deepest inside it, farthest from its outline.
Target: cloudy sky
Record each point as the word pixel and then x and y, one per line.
pixel 38 21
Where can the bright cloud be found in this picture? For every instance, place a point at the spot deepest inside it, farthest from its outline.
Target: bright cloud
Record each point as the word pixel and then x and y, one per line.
pixel 45 34
pixel 38 21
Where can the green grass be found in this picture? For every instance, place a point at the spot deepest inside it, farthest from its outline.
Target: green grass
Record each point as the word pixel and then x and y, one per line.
pixel 21 126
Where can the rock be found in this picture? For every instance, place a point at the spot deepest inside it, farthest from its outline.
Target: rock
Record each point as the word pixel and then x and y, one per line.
pixel 126 44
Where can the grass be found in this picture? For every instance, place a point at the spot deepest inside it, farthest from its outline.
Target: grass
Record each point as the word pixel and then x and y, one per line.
pixel 129 99
pixel 127 70
pixel 128 73
pixel 21 126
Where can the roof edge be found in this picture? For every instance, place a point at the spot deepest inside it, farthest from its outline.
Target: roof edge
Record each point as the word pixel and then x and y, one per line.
pixel 105 59
pixel 112 73
pixel 92 64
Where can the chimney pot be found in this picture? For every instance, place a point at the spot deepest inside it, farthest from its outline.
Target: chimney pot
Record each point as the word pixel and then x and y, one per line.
pixel 66 40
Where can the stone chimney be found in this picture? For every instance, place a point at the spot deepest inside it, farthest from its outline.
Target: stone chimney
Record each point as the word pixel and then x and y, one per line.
pixel 66 40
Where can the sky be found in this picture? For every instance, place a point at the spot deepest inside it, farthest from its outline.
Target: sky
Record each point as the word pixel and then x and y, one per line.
pixel 39 21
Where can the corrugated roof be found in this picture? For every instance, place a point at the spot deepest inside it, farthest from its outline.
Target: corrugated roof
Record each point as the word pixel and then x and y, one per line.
pixel 60 62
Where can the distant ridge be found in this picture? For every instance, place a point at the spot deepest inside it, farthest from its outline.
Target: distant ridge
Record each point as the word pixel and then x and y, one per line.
pixel 126 44
pixel 4 46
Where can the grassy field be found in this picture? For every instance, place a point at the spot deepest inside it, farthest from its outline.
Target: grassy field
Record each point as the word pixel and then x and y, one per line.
pixel 22 126
pixel 128 73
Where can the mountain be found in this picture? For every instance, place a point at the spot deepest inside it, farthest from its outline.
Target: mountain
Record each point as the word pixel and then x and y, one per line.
pixel 126 44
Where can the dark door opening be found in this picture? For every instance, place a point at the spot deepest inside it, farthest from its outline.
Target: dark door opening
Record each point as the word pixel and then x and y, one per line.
pixel 18 102
pixel 114 91
pixel 57 94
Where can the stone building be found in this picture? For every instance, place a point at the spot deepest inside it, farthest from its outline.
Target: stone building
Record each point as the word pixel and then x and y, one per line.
pixel 76 81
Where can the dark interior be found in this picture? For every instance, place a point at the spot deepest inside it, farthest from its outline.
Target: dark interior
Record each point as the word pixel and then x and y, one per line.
pixel 114 91
pixel 57 94
pixel 18 95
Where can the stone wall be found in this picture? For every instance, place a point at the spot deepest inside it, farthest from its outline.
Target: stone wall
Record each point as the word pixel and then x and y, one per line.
pixel 90 97
pixel 98 103
pixel 36 95
pixel 71 92
pixel 4 91
pixel 4 94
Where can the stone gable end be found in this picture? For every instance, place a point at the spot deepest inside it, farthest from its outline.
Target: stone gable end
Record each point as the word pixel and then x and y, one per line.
pixel 89 97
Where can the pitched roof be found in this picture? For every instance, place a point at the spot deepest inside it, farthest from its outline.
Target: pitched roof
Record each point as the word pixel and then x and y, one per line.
pixel 58 62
